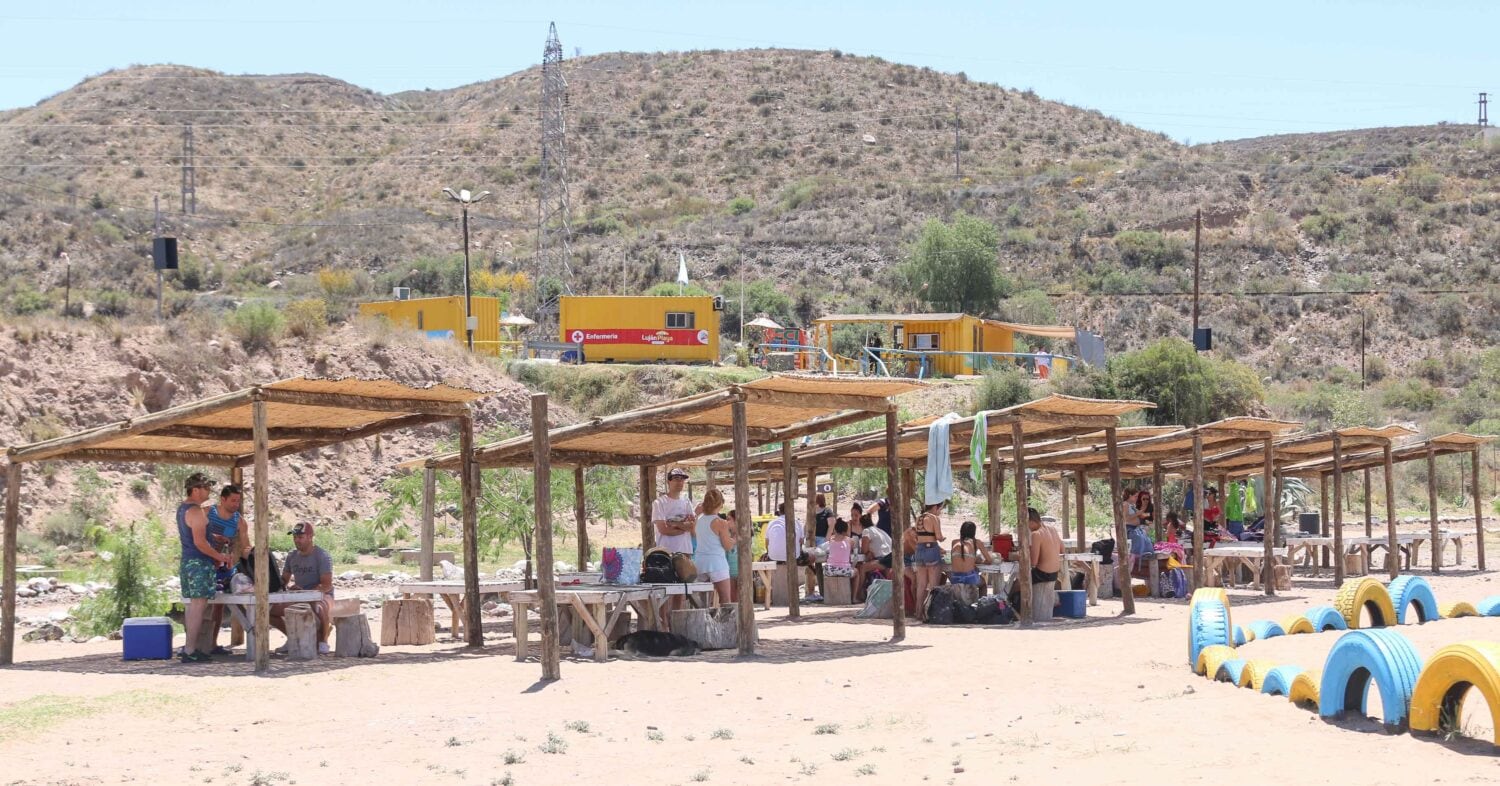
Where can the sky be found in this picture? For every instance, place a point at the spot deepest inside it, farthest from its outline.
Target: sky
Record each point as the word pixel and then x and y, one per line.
pixel 1198 72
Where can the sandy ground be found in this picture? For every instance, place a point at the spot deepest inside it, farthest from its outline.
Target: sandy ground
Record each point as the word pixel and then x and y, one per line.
pixel 829 700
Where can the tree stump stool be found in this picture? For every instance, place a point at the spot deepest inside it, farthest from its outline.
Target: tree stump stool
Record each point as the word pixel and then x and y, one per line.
pixel 301 632
pixel 838 590
pixel 352 637
pixel 407 621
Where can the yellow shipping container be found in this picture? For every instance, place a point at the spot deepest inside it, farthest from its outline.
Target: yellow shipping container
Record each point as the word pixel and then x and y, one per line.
pixel 644 329
pixel 443 318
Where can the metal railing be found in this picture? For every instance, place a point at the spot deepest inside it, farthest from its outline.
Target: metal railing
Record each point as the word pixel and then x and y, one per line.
pixel 978 361
pixel 824 361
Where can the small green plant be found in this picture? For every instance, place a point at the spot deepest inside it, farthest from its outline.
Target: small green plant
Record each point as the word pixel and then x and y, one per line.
pixel 827 728
pixel 307 318
pixel 582 727
pixel 741 205
pixel 132 593
pixel 555 744
pixel 453 742
pixel 503 780
pixel 700 776
pixel 1003 386
pixel 747 760
pixel 257 326
pixel 723 734
pixel 847 754
pixel 655 735
pixel 140 488
pixel 865 769
pixel 513 757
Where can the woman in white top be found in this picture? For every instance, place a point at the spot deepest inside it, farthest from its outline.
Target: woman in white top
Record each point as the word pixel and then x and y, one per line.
pixel 715 541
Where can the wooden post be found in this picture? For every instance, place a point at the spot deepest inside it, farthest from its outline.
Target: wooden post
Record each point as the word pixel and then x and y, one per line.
pixel 541 453
pixel 1338 510
pixel 809 534
pixel 261 439
pixel 1323 516
pixel 744 532
pixel 1065 519
pixel 1270 529
pixel 1392 551
pixel 1432 507
pixel 469 487
pixel 1369 518
pixel 1478 508
pixel 581 516
pixel 241 538
pixel 1122 544
pixel 648 499
pixel 1276 503
pixel 8 582
pixel 992 495
pixel 429 512
pixel 1198 507
pixel 1081 497
pixel 1023 523
pixel 898 526
pixel 1158 499
pixel 789 513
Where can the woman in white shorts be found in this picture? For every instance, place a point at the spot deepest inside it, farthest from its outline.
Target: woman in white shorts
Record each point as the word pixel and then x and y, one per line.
pixel 715 540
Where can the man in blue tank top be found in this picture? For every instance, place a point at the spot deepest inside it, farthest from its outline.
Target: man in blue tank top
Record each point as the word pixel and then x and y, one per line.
pixel 223 533
pixel 199 559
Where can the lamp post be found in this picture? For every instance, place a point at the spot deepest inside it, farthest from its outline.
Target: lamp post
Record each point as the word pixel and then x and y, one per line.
pixel 464 199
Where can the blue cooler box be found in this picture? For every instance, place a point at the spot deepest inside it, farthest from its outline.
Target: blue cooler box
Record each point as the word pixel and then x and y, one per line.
pixel 147 638
pixel 1072 604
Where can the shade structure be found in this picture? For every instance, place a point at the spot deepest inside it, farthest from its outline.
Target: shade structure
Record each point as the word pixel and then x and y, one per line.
pixel 248 427
pixel 763 322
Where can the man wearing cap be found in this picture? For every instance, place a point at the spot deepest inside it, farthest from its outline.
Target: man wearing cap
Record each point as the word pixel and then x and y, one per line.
pixel 672 514
pixel 199 560
pixel 308 567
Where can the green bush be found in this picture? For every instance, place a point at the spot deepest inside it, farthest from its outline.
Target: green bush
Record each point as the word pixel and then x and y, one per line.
pixel 798 194
pixel 257 326
pixel 1189 388
pixel 1003 386
pixel 1030 307
pixel 364 538
pixel 953 266
pixel 1149 249
pixel 133 591
pixel 307 318
pixel 111 303
pixel 741 205
pixel 1412 394
pixel 26 300
pixel 1323 227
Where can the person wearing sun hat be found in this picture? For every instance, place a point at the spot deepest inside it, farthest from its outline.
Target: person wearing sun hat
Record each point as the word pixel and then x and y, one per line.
pixel 199 561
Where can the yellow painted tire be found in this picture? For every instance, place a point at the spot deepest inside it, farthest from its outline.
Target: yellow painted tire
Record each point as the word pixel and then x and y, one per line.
pixel 1211 658
pixel 1304 689
pixel 1457 609
pixel 1254 673
pixel 1295 624
pixel 1365 594
pixel 1437 700
pixel 1209 593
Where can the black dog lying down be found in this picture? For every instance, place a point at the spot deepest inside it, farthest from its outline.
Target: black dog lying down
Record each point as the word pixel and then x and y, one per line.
pixel 656 644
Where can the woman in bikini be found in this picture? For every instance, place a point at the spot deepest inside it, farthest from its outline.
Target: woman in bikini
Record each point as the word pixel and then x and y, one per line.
pixel 928 558
pixel 967 553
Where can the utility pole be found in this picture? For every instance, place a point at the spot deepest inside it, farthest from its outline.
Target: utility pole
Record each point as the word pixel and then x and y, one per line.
pixel 156 204
pixel 189 177
pixel 957 143
pixel 67 284
pixel 553 232
pixel 1197 268
pixel 1484 109
pixel 1363 319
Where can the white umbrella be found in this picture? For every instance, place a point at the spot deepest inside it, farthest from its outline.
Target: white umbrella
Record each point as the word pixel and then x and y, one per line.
pixel 516 320
pixel 763 322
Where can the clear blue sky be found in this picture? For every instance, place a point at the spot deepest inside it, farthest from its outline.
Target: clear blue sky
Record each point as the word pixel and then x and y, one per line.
pixel 1195 71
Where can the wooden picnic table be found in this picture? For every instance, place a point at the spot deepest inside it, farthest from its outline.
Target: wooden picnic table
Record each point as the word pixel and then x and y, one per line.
pixel 452 593
pixel 1251 555
pixel 1309 547
pixel 767 572
pixel 242 606
pixel 599 607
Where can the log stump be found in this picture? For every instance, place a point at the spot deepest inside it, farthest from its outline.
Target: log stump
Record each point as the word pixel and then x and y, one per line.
pixel 713 629
pixel 406 621
pixel 352 637
pixel 838 590
pixel 301 632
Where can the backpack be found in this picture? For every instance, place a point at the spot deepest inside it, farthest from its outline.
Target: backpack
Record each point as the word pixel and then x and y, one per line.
pixel 940 607
pixel 247 567
pixel 964 614
pixel 993 610
pixel 1105 549
pixel 657 568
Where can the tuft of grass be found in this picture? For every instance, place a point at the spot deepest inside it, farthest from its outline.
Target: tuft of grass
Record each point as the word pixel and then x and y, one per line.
pixel 865 769
pixel 827 728
pixel 700 776
pixel 504 780
pixel 847 754
pixel 747 760
pixel 582 727
pixel 808 768
pixel 723 734
pixel 40 713
pixel 453 742
pixel 655 735
pixel 513 757
pixel 554 744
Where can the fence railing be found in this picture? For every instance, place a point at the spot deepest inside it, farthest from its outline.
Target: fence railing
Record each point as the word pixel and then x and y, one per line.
pixel 978 361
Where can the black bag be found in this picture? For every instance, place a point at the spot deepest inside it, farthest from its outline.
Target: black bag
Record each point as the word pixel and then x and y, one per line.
pixel 940 607
pixel 992 610
pixel 1077 580
pixel 1105 549
pixel 963 614
pixel 657 568
pixel 247 567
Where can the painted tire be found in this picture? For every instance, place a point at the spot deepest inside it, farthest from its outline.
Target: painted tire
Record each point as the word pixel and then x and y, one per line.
pixel 1264 629
pixel 1296 625
pixel 1437 701
pixel 1253 676
pixel 1413 591
pixel 1230 671
pixel 1278 681
pixel 1242 636
pixel 1360 657
pixel 1212 658
pixel 1365 593
pixel 1208 625
pixel 1304 688
pixel 1489 607
pixel 1325 618
pixel 1209 595
pixel 1458 609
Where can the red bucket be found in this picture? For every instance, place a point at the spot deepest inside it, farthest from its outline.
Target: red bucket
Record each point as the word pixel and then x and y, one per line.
pixel 1003 545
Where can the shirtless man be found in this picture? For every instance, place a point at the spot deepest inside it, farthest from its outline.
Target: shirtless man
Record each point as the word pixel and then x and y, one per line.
pixel 1046 563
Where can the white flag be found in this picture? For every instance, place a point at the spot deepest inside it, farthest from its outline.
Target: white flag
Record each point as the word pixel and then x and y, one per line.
pixel 682 276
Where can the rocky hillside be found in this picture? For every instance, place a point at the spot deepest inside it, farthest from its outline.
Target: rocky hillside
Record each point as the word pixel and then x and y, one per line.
pixel 812 170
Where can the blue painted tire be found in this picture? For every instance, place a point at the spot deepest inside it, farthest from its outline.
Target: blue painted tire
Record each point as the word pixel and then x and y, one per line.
pixel 1265 629
pixel 1239 636
pixel 1489 607
pixel 1230 670
pixel 1208 624
pixel 1325 618
pixel 1361 656
pixel 1414 591
pixel 1278 681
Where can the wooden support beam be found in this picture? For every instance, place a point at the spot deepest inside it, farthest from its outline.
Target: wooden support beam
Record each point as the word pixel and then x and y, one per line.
pixel 648 501
pixel 1158 499
pixel 337 436
pixel 1392 550
pixel 992 494
pixel 151 457
pixel 1023 525
pixel 823 401
pixel 41 451
pixel 304 398
pixel 744 531
pixel 1197 512
pixel 1081 495
pixel 223 434
pixel 1065 519
pixel 469 510
pixel 789 511
pixel 429 525
pixel 581 516
pixel 1369 517
pixel 1478 507
pixel 542 496
pixel 690 429
pixel 1270 530
pixel 898 527
pixel 1122 543
pixel 8 576
pixel 1338 510
pixel 809 525
pixel 262 493
pixel 1432 508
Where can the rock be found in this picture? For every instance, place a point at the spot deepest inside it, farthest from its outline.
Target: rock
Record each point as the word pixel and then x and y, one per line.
pixel 367 576
pixel 490 606
pixel 58 616
pixel 25 592
pixel 39 584
pixel 277 285
pixel 78 589
pixel 451 571
pixel 97 640
pixel 48 632
pixel 350 575
pixel 869 139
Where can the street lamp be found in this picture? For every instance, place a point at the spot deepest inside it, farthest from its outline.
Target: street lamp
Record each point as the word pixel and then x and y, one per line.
pixel 464 199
